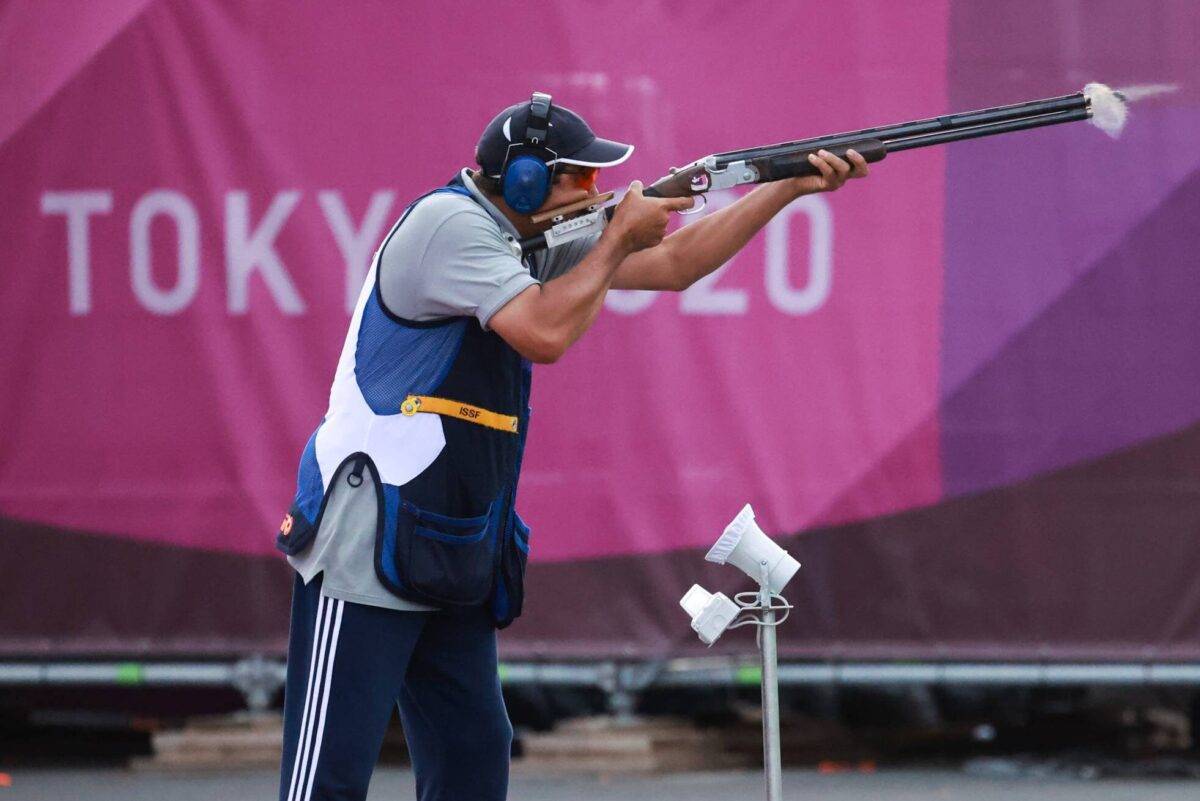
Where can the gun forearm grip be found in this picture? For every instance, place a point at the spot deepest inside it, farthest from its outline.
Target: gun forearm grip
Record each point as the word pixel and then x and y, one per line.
pixel 793 165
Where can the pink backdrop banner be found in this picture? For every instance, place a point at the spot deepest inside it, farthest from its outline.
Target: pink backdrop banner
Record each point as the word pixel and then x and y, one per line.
pixel 193 191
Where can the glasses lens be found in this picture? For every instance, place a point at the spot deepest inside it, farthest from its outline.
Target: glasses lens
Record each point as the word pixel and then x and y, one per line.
pixel 585 177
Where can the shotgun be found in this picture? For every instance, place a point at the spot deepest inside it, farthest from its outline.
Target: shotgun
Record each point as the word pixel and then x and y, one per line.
pixel 1104 107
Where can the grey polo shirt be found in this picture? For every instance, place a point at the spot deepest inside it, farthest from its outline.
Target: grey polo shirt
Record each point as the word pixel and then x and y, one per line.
pixel 450 258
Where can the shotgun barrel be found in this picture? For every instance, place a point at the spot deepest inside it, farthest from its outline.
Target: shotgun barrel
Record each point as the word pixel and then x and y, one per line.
pixel 886 133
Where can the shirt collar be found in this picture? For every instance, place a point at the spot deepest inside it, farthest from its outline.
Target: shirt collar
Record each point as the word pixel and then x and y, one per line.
pixel 488 206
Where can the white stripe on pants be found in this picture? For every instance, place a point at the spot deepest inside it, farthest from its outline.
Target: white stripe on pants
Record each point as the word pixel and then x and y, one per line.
pixel 320 677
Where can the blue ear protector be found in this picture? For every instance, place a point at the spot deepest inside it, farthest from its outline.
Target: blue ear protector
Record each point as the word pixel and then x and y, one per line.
pixel 526 183
pixel 525 177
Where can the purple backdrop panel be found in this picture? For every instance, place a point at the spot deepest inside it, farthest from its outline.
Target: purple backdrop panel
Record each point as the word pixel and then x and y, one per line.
pixel 1071 284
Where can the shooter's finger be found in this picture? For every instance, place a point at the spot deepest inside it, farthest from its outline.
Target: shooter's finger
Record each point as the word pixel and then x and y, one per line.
pixel 861 170
pixel 837 162
pixel 677 203
pixel 822 165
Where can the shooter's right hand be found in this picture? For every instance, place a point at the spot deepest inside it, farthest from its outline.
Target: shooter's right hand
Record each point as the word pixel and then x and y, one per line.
pixel 641 222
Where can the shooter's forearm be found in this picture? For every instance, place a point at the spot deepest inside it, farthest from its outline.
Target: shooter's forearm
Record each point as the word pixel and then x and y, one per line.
pixel 695 250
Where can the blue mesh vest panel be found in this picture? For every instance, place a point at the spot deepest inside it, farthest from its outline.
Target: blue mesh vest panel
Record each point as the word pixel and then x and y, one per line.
pixel 309 489
pixel 393 360
pixel 391 506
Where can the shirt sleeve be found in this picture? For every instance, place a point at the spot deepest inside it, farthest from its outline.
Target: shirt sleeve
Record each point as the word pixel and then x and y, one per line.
pixel 564 258
pixel 449 260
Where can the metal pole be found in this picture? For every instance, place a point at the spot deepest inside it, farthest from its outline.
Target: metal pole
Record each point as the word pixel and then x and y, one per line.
pixel 772 766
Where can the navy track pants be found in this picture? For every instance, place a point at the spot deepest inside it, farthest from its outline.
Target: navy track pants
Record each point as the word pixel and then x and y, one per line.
pixel 349 663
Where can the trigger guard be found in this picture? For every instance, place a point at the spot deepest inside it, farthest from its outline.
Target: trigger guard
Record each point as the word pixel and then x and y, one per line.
pixel 697 207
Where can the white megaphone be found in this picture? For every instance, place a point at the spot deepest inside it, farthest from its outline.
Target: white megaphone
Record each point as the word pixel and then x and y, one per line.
pixel 745 546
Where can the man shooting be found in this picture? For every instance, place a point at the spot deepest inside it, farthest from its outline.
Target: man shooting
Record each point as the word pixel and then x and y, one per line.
pixel 403 532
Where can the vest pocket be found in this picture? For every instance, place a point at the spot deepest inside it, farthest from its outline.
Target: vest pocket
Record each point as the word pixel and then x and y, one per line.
pixel 447 559
pixel 512 571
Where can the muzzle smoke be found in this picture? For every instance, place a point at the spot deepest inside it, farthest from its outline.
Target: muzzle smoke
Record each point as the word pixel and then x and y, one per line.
pixel 1110 107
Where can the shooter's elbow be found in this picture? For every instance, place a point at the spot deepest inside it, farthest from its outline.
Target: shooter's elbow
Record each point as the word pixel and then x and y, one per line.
pixel 547 348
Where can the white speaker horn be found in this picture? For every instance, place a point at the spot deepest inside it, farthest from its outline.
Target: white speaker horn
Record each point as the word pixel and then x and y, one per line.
pixel 745 546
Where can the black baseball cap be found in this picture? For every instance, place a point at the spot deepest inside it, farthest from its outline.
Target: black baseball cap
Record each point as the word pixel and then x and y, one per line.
pixel 568 136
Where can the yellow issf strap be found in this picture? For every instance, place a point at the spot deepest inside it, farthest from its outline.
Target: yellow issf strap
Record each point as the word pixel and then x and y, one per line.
pixel 415 404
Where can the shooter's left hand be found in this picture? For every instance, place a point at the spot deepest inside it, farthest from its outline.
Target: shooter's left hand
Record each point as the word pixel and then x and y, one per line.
pixel 835 171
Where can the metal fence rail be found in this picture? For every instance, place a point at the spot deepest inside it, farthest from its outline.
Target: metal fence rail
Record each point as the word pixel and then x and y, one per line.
pixel 258 679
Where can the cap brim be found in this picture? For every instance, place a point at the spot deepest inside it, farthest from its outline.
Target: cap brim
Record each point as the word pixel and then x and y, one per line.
pixel 600 153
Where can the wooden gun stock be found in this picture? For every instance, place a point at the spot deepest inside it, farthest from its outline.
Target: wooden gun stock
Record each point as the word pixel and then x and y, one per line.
pixel 571 208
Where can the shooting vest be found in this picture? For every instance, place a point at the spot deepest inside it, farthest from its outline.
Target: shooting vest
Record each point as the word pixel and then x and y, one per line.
pixel 439 409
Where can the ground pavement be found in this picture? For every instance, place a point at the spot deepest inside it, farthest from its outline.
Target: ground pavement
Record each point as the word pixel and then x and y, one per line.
pixel 396 785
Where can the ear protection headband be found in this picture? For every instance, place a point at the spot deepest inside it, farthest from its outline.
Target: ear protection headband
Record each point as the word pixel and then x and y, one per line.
pixel 525 176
